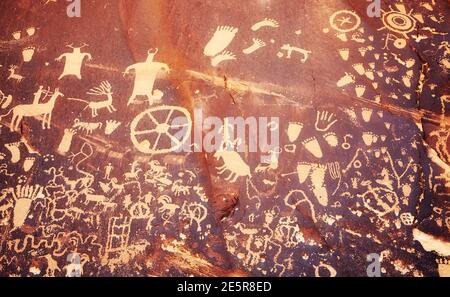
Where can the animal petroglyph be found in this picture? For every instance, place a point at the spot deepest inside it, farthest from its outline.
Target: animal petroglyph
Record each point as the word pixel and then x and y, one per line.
pixel 233 163
pixel 291 49
pixel 13 75
pixel 89 128
pixel 32 110
pixel 104 89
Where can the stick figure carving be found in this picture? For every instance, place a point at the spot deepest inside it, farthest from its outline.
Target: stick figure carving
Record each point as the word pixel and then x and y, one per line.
pixel 145 76
pixel 74 61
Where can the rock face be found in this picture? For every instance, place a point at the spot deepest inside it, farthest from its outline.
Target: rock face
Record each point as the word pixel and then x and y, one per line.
pixel 117 155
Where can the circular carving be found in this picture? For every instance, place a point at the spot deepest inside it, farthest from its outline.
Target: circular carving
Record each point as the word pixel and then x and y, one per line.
pixel 345 21
pixel 151 140
pixel 398 22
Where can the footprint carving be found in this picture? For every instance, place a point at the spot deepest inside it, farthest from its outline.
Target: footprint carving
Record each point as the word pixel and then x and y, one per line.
pixel 313 146
pixel 225 56
pixel 257 44
pixel 14 150
pixel 223 36
pixel 265 23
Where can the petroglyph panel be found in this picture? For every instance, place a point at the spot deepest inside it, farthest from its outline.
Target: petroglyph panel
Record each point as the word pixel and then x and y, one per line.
pixel 107 122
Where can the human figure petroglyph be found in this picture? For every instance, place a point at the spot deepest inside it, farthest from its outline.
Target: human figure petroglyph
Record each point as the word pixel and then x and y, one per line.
pixel 38 94
pixel 108 170
pixel 74 61
pixel 145 77
pixel 258 238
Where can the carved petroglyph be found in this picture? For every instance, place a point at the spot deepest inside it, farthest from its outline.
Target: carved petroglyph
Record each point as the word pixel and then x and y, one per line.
pixel 66 141
pixel 291 49
pixel 145 77
pixel 73 61
pixel 350 172
pixel 257 44
pixel 13 75
pixel 32 110
pixel 103 89
pixel 271 23
pixel 24 196
pixel 159 129
pixel 222 37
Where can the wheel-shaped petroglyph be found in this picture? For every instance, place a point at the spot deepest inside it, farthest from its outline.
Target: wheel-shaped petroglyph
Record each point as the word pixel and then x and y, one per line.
pixel 399 20
pixel 345 21
pixel 161 129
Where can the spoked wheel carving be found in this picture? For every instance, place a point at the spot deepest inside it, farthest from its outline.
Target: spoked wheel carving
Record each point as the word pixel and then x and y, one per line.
pixel 157 136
